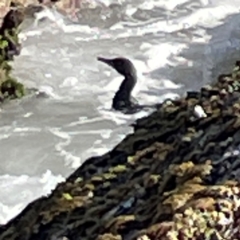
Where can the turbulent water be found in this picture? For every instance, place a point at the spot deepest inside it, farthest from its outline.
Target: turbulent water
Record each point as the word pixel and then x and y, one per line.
pixel 175 45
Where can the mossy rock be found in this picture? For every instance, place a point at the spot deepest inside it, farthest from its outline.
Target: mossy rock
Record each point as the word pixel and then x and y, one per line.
pixel 10 47
pixel 11 89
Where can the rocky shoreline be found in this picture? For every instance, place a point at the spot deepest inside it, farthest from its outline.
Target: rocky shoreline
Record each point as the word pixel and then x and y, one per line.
pixel 176 177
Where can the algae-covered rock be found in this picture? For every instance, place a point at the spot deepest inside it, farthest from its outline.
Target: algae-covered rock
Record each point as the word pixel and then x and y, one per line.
pixel 12 89
pixel 9 47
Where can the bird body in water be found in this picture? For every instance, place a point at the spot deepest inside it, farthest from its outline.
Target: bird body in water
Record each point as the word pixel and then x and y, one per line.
pixel 123 101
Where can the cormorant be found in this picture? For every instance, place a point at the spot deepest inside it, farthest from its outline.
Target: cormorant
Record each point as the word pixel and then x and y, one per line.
pixel 123 101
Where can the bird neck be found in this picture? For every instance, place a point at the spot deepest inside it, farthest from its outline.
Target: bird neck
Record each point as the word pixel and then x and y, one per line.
pixel 122 99
pixel 127 85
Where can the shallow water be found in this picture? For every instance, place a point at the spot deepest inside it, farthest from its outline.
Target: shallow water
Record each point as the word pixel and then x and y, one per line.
pixel 175 45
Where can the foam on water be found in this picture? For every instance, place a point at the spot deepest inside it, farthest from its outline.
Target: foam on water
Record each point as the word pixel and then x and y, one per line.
pixel 175 45
pixel 23 186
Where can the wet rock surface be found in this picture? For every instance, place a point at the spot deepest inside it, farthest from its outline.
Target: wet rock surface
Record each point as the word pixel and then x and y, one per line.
pixel 66 7
pixel 176 177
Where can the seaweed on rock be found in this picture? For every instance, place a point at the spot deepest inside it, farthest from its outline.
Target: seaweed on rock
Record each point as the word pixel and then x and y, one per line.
pixel 9 47
pixel 177 177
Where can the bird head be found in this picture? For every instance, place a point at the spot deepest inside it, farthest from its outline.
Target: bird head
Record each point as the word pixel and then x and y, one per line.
pixel 122 65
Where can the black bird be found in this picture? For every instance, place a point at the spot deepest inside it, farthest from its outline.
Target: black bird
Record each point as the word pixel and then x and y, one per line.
pixel 123 101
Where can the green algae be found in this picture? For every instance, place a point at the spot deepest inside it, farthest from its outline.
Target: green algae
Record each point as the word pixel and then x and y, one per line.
pixel 67 196
pixel 78 180
pixel 10 88
pixel 109 176
pixel 131 159
pixel 3 43
pixel 118 169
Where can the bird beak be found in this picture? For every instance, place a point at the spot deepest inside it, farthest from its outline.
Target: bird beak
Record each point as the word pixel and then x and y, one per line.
pixel 107 61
